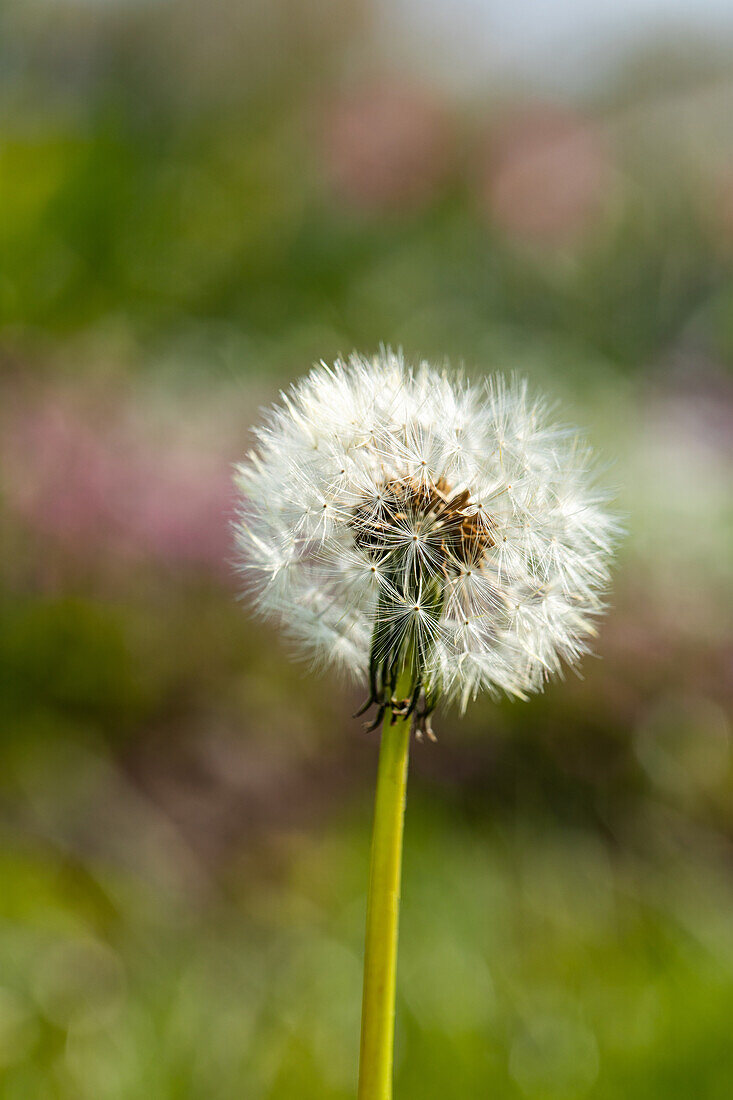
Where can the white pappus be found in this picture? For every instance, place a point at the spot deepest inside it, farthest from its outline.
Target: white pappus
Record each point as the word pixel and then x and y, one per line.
pixel 395 518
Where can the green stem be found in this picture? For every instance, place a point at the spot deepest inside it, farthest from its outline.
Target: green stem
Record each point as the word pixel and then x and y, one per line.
pixel 383 905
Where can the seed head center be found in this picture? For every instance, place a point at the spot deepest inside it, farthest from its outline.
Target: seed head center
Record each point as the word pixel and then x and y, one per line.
pixel 443 519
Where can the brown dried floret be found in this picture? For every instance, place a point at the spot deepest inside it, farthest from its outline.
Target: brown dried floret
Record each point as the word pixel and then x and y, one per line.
pixel 455 527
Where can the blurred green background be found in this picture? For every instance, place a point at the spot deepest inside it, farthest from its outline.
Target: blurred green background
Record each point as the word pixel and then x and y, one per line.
pixel 197 201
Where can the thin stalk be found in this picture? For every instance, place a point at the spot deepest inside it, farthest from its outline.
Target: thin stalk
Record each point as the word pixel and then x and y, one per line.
pixel 383 905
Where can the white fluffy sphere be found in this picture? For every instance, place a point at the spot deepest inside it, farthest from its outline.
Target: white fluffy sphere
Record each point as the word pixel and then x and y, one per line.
pixel 394 515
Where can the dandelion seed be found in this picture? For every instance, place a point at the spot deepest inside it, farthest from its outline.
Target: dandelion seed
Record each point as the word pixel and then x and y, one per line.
pixel 480 520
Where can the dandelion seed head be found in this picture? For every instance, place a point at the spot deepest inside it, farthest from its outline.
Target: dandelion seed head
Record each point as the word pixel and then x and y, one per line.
pixel 393 514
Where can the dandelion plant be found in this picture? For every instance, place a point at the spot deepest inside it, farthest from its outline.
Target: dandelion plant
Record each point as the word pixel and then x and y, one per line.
pixel 434 539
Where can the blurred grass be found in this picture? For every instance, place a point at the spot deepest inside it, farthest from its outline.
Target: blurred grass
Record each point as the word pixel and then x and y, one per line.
pixel 533 964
